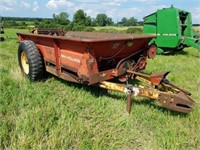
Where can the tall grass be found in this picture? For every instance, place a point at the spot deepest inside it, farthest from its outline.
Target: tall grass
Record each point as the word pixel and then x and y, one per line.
pixel 56 114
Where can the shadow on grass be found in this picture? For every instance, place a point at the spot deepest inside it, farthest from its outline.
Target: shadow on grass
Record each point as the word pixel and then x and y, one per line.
pixel 2 39
pixel 151 103
pixel 95 90
pixel 181 52
pixel 176 52
pixel 98 92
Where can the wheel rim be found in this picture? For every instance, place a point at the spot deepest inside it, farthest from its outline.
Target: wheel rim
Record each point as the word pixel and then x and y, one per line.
pixel 24 62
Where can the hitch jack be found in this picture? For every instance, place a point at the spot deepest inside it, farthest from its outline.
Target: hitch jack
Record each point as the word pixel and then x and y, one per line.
pixel 156 87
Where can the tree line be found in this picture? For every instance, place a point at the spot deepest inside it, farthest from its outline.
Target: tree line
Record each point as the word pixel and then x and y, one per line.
pixel 80 21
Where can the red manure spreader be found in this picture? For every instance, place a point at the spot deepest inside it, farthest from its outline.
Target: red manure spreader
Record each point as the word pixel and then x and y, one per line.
pixel 96 58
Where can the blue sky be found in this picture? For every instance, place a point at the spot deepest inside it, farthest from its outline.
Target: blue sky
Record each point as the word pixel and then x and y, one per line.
pixel 113 8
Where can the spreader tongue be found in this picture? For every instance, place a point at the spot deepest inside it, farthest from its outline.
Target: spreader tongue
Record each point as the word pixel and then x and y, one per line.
pixel 156 87
pixel 179 102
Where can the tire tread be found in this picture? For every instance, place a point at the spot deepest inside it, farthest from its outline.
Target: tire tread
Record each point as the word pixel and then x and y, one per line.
pixel 36 63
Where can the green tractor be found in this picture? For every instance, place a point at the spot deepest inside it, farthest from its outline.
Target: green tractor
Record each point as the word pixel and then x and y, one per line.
pixel 173 30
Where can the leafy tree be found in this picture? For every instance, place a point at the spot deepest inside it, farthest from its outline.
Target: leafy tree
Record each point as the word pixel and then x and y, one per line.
pixel 78 27
pixel 61 19
pixel 45 21
pixel 55 18
pixel 103 20
pixel 22 23
pixel 132 21
pixel 124 21
pixel 94 22
pixel 80 17
pixel 88 21
pixel 36 23
pixel 80 20
pixel 128 22
pixel 109 21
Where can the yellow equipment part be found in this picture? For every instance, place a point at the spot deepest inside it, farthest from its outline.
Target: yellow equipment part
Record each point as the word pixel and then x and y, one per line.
pixel 24 62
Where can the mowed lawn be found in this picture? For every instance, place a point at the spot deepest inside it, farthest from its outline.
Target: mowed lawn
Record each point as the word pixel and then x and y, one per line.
pixel 56 114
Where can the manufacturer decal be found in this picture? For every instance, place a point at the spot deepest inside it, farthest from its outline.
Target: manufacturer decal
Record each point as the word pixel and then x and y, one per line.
pixel 71 58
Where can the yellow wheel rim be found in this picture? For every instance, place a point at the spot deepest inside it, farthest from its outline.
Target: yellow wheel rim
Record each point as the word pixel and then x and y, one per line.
pixel 24 62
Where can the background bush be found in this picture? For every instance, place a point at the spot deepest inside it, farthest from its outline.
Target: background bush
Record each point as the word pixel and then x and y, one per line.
pixel 134 30
pixel 89 29
pixel 110 30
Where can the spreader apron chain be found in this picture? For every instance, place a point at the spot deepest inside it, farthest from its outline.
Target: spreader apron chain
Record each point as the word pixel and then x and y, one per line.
pixel 155 87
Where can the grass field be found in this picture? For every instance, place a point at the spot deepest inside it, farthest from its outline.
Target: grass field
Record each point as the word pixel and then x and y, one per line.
pixel 55 114
pixel 196 28
pixel 117 28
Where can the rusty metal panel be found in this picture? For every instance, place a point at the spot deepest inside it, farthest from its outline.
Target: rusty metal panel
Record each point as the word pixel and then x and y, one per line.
pixel 92 36
pixel 87 55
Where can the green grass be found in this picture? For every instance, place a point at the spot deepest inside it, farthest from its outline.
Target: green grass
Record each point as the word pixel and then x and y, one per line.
pixel 55 114
pixel 125 28
pixel 27 22
pixel 117 28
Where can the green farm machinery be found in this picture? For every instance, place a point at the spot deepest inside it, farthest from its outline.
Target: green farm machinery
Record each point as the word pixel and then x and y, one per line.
pixel 173 30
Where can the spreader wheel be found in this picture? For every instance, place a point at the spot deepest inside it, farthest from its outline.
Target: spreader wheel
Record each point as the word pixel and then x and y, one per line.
pixel 30 60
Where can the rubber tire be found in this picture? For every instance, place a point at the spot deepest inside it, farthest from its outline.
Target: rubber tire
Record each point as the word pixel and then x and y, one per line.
pixel 35 60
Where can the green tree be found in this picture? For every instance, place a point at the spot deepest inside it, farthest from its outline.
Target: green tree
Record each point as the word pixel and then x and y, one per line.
pixel 80 21
pixel 109 21
pixel 22 23
pixel 61 19
pixel 55 18
pixel 94 22
pixel 36 23
pixel 132 21
pixel 128 22
pixel 80 17
pixel 124 21
pixel 103 20
pixel 88 21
